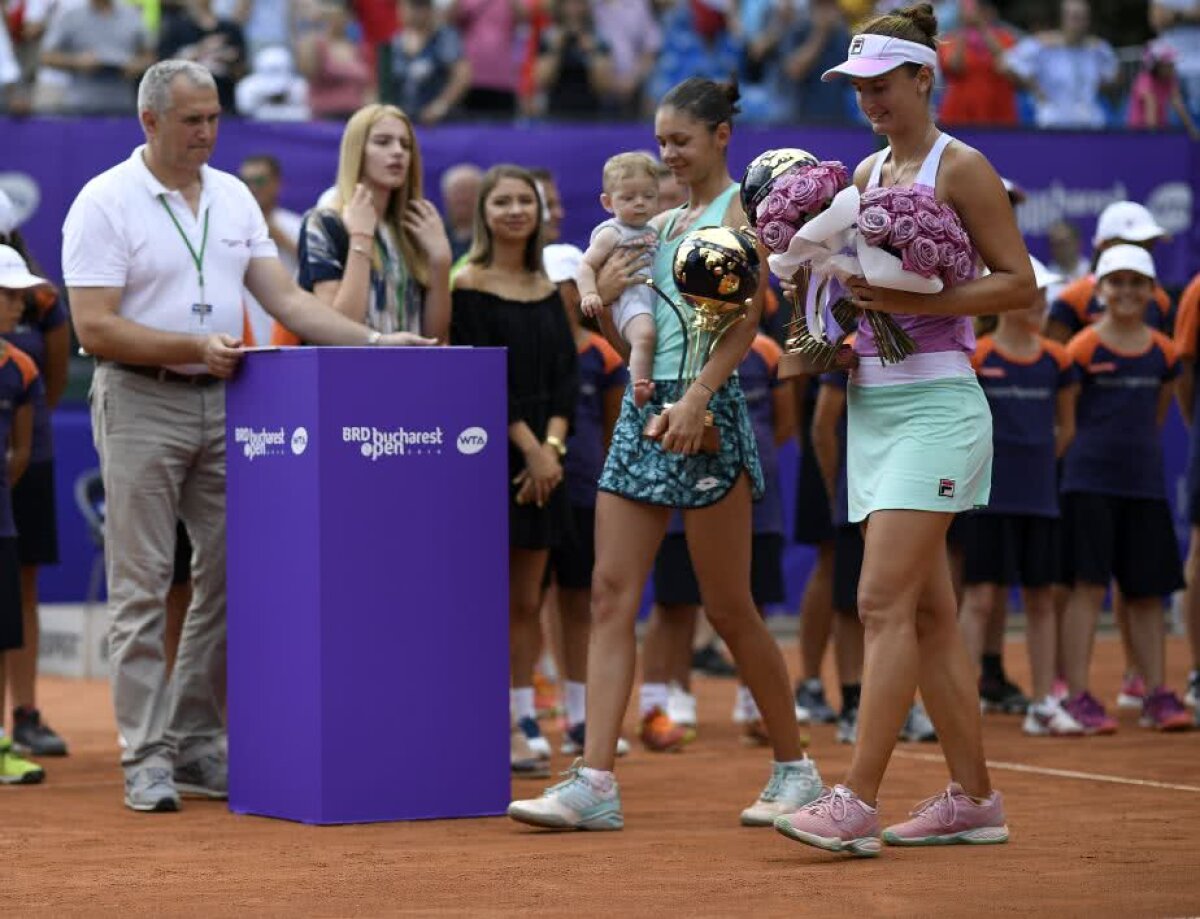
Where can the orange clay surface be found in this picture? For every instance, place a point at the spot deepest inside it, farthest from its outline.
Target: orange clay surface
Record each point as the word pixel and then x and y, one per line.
pixel 1080 846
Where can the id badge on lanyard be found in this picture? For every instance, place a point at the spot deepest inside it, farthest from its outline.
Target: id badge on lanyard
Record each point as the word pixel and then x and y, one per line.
pixel 201 310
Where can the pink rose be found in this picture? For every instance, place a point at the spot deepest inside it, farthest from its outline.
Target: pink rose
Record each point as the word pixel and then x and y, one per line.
pixel 902 204
pixel 838 170
pixel 929 205
pixel 776 235
pixel 921 256
pixel 875 224
pixel 964 267
pixel 931 225
pixel 777 202
pixel 804 190
pixel 875 196
pixel 954 228
pixel 904 231
pixel 947 254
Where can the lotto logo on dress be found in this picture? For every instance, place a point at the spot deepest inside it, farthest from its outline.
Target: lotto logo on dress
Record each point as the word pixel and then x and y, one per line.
pixel 375 443
pixel 258 442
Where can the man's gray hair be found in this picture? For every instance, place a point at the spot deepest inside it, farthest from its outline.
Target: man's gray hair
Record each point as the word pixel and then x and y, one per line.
pixel 154 92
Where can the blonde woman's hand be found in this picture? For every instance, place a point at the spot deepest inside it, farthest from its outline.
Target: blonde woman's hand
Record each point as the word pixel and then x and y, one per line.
pixel 406 339
pixel 620 270
pixel 544 473
pixel 424 224
pixel 358 214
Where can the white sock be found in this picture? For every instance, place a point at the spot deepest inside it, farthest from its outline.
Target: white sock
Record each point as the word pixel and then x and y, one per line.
pixel 548 668
pixel 521 700
pixel 746 705
pixel 653 695
pixel 793 764
pixel 576 703
pixel 599 780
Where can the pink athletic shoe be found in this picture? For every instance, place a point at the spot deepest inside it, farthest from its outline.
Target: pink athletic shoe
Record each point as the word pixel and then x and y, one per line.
pixel 838 821
pixel 1133 692
pixel 951 818
pixel 1088 711
pixel 1164 711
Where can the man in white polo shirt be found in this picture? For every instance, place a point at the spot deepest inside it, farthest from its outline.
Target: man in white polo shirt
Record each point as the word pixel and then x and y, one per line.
pixel 155 254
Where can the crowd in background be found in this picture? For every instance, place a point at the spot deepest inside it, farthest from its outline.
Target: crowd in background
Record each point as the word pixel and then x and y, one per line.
pixel 1069 64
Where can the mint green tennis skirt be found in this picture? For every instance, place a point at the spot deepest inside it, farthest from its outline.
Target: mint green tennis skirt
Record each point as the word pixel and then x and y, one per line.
pixel 918 446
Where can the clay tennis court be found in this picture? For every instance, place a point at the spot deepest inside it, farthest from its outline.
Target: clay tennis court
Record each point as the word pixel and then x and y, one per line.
pixel 1082 846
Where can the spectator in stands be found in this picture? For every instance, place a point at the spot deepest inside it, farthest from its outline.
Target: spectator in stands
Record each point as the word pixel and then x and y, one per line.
pixel 1156 92
pixel 263 176
pixel 1067 260
pixel 49 83
pixel 488 29
pixel 460 191
pixel 339 78
pixel 41 333
pixel 631 31
pixel 103 46
pixel 164 323
pixel 574 67
pixel 217 44
pixel 273 91
pixel 1066 70
pixel 698 43
pixel 1177 23
pixel 812 46
pixel 978 88
pixel 379 253
pixel 10 69
pixel 760 27
pixel 430 75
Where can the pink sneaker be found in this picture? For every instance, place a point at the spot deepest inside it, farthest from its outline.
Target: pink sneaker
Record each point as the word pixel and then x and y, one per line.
pixel 1133 692
pixel 1087 710
pixel 951 818
pixel 1059 690
pixel 1164 712
pixel 838 821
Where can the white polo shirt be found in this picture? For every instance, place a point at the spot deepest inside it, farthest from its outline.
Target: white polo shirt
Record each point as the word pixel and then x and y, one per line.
pixel 118 234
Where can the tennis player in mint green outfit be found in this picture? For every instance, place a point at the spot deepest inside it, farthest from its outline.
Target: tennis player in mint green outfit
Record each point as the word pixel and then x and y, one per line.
pixel 919 451
pixel 644 479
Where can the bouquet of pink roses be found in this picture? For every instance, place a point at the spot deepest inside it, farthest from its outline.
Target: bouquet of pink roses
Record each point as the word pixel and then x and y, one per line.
pixel 806 217
pixel 908 240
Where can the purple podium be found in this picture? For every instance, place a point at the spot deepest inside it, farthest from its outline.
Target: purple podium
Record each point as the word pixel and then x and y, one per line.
pixel 368 584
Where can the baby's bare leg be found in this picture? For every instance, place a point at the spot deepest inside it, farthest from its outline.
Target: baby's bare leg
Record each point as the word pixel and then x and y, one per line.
pixel 640 333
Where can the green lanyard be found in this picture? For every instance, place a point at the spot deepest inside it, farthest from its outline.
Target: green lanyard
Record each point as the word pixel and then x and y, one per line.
pixel 198 259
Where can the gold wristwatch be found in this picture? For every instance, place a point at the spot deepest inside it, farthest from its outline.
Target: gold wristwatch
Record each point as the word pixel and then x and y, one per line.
pixel 556 442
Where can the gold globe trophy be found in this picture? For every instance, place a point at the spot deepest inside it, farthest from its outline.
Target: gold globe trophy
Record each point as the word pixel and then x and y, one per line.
pixel 716 272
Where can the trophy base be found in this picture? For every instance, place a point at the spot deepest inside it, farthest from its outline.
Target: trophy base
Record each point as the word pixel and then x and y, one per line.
pixel 710 440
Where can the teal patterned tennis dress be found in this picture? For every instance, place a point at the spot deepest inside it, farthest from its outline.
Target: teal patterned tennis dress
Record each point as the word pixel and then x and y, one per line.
pixel 639 468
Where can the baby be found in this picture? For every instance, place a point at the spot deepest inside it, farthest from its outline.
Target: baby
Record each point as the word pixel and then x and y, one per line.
pixel 631 196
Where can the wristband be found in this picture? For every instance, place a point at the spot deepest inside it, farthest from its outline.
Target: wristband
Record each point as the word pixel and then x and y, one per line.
pixel 373 338
pixel 556 442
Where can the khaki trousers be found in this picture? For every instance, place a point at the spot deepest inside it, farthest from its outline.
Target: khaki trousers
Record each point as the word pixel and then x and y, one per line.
pixel 162 456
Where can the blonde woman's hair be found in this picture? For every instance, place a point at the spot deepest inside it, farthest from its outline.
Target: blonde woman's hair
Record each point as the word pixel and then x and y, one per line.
pixel 482 249
pixel 627 164
pixel 349 173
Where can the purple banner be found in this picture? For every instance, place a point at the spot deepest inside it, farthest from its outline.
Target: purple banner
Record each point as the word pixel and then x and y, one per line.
pixel 1071 175
pixel 368 561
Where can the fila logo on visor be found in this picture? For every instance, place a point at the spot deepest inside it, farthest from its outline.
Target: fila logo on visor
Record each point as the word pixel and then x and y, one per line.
pixel 856 45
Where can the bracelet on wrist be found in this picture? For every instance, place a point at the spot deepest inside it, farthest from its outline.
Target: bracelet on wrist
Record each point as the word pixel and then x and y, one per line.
pixel 374 337
pixel 708 389
pixel 556 443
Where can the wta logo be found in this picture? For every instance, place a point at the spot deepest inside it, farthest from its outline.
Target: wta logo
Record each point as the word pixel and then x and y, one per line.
pixel 471 441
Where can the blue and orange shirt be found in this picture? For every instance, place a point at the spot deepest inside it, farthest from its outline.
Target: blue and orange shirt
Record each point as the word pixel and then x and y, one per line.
pixel 758 374
pixel 1023 396
pixel 1077 306
pixel 1118 446
pixel 42 313
pixel 600 369
pixel 19 385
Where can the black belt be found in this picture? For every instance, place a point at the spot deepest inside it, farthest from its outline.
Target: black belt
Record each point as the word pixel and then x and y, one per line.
pixel 163 375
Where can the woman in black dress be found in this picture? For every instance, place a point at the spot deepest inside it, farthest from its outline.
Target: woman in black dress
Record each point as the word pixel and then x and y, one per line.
pixel 503 299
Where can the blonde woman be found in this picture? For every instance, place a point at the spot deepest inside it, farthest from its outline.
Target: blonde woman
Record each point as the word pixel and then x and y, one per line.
pixel 379 253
